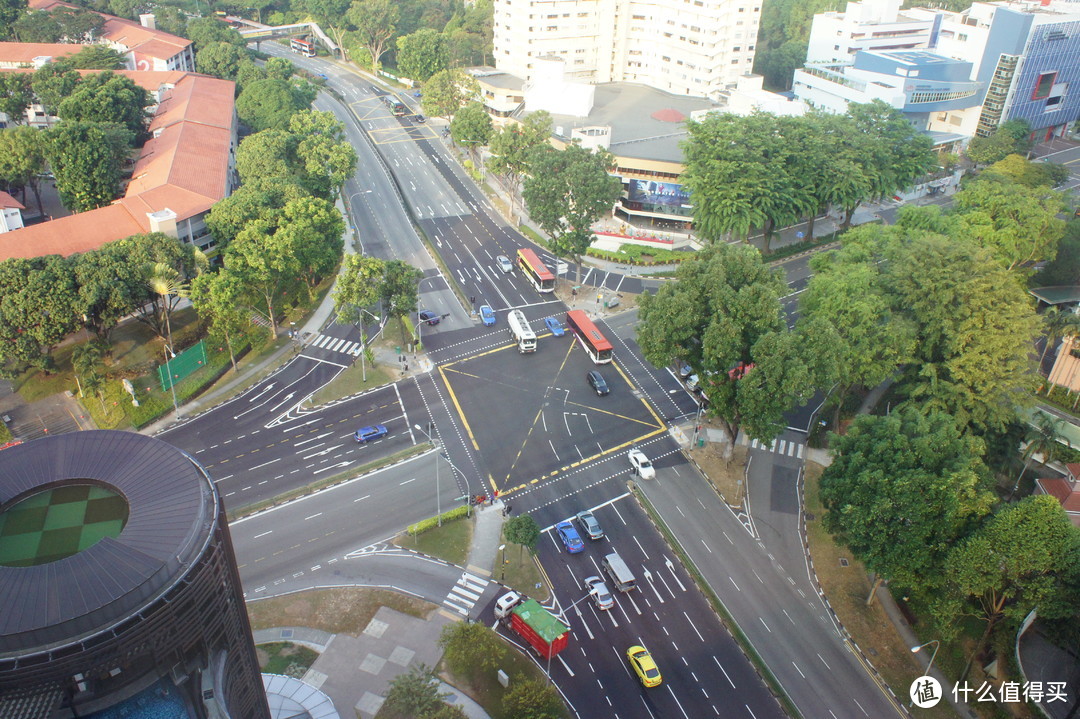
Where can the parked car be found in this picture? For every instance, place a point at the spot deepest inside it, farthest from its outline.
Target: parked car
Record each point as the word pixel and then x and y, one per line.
pixel 599 593
pixel 641 464
pixel 598 383
pixel 683 369
pixel 487 315
pixel 555 326
pixel 366 434
pixel 693 383
pixel 428 316
pixel 504 264
pixel 569 537
pixel 590 525
pixel 643 665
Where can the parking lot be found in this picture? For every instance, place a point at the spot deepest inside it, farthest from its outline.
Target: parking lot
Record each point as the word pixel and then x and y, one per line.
pixel 554 420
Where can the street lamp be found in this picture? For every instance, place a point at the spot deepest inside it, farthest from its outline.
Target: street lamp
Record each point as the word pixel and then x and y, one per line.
pixel 352 209
pixel 172 382
pixel 438 451
pixel 937 645
pixel 502 562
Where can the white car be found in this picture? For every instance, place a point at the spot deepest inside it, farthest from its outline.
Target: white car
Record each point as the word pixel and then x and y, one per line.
pixel 641 464
pixel 504 263
pixel 599 593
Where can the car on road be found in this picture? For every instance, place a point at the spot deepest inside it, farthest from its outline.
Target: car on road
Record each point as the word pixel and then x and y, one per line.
pixel 569 537
pixel 555 326
pixel 598 383
pixel 367 434
pixel 589 524
pixel 643 665
pixel 419 118
pixel 504 264
pixel 641 464
pixel 487 315
pixel 599 592
pixel 428 316
pixel 416 93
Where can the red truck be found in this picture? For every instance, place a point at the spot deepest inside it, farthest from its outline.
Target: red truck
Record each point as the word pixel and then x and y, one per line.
pixel 536 625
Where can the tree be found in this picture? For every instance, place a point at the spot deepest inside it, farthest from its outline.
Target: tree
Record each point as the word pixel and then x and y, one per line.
pixel 1044 436
pixel 218 298
pixel 1019 225
pixel 901 490
pixel 323 153
pixel 1026 556
pixel 15 95
pixel 399 290
pixel 566 192
pixel 447 91
pixel 513 145
pixel 471 127
pixel 10 10
pixel 312 229
pixel 106 97
pixel 37 308
pixel 85 361
pixel 256 199
pixel 220 59
pixel 469 35
pixel 1064 269
pixel 265 154
pixel 97 57
pixel 263 262
pixel 532 699
pixel 22 159
pixel 52 83
pixel 78 25
pixel 422 54
pixel 331 14
pixel 169 286
pixel 208 30
pixel 249 72
pixel 975 328
pixel 470 648
pixel 36 26
pixel 719 317
pixel 357 288
pixel 270 103
pixel 1010 138
pixel 87 159
pixel 523 531
pixel 281 68
pixel 415 695
pixel 1058 324
pixel 1029 174
pixel 375 22
pixel 846 308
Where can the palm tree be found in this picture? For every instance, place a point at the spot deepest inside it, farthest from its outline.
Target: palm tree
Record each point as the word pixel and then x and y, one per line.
pixel 85 359
pixel 166 282
pixel 1045 437
pixel 1058 324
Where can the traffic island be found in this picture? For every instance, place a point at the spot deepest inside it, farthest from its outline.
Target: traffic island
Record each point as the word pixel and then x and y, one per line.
pixel 728 478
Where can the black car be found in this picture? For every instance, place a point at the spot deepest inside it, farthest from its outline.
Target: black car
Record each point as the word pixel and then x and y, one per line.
pixel 597 382
pixel 428 316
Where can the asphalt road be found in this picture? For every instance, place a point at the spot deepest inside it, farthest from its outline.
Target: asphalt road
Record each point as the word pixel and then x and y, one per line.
pixel 494 410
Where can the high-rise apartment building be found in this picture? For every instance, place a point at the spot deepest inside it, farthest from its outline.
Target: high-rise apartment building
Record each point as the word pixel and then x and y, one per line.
pixel 685 47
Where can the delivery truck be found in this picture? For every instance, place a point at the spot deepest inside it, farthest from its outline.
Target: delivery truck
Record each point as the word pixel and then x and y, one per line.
pixel 537 626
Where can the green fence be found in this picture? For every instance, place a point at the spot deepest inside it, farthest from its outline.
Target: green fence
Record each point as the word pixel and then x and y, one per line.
pixel 177 368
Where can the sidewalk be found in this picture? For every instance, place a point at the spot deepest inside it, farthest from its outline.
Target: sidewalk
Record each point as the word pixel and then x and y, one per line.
pixel 487 537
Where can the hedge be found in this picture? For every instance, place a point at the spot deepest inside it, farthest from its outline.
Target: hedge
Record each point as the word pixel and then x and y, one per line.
pixel 425 525
pixel 633 253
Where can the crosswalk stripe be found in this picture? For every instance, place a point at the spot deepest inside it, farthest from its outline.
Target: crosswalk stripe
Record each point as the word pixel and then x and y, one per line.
pixel 799 454
pixel 334 347
pixel 461 592
pixel 783 446
pixel 460 610
pixel 353 349
pixel 322 340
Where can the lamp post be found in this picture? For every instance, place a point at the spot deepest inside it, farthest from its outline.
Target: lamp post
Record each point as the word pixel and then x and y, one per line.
pixel 169 356
pixel 937 645
pixel 438 451
pixel 352 209
pixel 502 562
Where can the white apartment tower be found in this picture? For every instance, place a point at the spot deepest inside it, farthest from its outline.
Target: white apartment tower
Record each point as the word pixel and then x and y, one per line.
pixel 685 47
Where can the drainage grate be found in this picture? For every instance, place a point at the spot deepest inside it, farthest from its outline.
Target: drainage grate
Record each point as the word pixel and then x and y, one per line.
pixel 843 562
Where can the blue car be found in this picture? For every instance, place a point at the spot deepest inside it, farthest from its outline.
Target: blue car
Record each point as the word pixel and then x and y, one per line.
pixel 366 434
pixel 569 537
pixel 555 326
pixel 487 315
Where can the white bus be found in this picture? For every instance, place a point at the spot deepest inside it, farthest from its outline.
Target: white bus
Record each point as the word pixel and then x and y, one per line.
pixel 521 332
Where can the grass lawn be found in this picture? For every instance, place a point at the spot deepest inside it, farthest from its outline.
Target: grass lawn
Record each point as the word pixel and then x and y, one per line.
pixel 351 381
pixel 450 542
pixel 485 688
pixel 522 573
pixel 292 660
pixel 346 610
pixel 847 589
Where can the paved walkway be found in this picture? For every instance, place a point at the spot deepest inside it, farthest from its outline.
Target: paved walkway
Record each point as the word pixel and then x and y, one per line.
pixel 487 538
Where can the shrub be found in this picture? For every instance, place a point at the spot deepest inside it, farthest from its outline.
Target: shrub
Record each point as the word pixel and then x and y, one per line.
pixel 425 525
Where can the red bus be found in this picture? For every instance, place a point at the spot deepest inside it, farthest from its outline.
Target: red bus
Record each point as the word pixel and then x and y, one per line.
pixel 535 271
pixel 303 47
pixel 591 339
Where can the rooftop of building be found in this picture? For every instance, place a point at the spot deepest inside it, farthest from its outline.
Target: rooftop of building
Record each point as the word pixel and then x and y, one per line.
pixel 184 167
pixel 136 38
pixel 8 201
pixel 57 588
pixel 26 52
pixel 645 123
pixel 497 78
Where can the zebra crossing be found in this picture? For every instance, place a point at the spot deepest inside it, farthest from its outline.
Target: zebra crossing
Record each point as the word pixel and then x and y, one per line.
pixel 465 593
pixel 337 344
pixel 780 446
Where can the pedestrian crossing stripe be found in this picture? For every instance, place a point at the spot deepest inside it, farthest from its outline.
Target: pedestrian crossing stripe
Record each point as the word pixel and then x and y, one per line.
pixel 464 595
pixel 780 446
pixel 337 344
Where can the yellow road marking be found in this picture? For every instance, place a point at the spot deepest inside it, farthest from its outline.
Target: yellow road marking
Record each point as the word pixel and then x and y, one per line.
pixel 461 413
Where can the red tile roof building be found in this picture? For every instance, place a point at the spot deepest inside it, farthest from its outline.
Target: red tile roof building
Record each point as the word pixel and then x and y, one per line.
pixel 1065 490
pixel 32 54
pixel 179 174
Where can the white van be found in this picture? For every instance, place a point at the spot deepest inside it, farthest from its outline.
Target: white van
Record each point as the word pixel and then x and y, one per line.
pixel 620 574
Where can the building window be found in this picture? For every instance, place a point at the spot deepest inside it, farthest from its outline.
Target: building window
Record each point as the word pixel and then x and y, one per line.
pixel 1043 85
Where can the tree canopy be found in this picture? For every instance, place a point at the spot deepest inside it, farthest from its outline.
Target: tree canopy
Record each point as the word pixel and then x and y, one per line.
pixel 106 97
pixel 422 54
pixel 87 159
pixel 271 103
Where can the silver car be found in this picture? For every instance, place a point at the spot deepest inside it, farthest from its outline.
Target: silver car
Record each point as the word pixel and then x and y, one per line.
pixel 589 525
pixel 599 592
pixel 504 263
